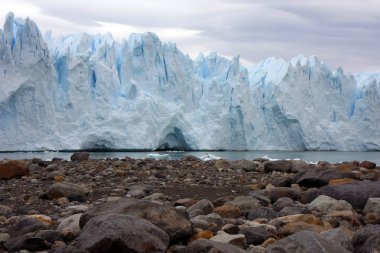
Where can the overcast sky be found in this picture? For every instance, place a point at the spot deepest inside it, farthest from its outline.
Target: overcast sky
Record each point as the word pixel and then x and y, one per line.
pixel 340 32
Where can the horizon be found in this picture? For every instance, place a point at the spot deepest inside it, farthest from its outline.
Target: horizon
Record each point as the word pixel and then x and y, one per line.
pixel 347 40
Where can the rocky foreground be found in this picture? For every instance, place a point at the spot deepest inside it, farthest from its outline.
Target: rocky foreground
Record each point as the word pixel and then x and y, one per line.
pixel 185 206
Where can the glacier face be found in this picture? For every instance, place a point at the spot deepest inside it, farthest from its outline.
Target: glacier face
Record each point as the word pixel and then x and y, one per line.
pixel 85 92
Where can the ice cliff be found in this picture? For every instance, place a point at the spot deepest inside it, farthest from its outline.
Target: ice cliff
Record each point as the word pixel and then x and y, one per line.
pixel 84 92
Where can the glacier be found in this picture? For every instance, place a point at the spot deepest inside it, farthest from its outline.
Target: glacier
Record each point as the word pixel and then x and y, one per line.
pixel 86 91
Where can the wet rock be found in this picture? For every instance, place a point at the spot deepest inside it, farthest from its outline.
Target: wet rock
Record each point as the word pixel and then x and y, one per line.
pixel 367 239
pixel 256 235
pixel 372 206
pixel 305 242
pixel 237 240
pixel 13 168
pixel 80 156
pixel 356 193
pixel 71 191
pixel 262 212
pixel 280 192
pixel 326 204
pixel 111 233
pixel 209 246
pixel 317 177
pixel 228 211
pixel 165 217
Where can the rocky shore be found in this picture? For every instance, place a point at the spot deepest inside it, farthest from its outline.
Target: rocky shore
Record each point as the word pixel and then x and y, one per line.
pixel 188 205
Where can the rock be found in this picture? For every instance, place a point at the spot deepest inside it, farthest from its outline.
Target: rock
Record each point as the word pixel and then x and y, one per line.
pixel 80 156
pixel 372 218
pixel 293 209
pixel 282 202
pixel 205 234
pixel 282 182
pixel 372 206
pixel 245 203
pixel 69 227
pixel 262 212
pixel 280 192
pixel 5 210
pixel 33 241
pixel 42 218
pixel 52 175
pixel 237 240
pixel 228 211
pixel 187 202
pixel 68 190
pixel 231 229
pixel 340 236
pixel 13 168
pixel 341 181
pixel 281 165
pixel 368 165
pixel 211 221
pixel 244 165
pixel 156 197
pixel 367 239
pixel 27 225
pixel 109 233
pixel 335 218
pixel 317 177
pixel 305 242
pixel 326 204
pixel 306 218
pixel 4 237
pixel 209 246
pixel 256 235
pixel 294 227
pixel 165 217
pixel 204 205
pixel 356 193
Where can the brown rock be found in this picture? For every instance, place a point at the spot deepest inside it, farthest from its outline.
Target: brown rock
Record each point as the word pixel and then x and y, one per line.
pixel 295 227
pixel 268 242
pixel 80 156
pixel 228 211
pixel 306 218
pixel 13 168
pixel 341 181
pixel 205 234
pixel 368 165
pixel 347 215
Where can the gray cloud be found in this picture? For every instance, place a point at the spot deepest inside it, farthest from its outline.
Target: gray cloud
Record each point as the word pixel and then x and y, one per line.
pixel 342 33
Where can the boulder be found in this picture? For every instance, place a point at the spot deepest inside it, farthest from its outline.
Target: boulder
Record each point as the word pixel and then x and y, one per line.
pixel 317 177
pixel 372 206
pixel 237 240
pixel 165 217
pixel 67 190
pixel 209 246
pixel 256 235
pixel 262 212
pixel 367 239
pixel 294 227
pixel 69 227
pixel 13 168
pixel 306 242
pixel 245 203
pixel 109 233
pixel 356 193
pixel 368 165
pixel 280 192
pixel 341 236
pixel 281 165
pixel 326 204
pixel 80 156
pixel 204 205
pixel 228 211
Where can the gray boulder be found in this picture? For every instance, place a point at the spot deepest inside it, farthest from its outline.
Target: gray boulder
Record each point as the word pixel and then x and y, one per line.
pixel 367 239
pixel 306 242
pixel 165 217
pixel 121 233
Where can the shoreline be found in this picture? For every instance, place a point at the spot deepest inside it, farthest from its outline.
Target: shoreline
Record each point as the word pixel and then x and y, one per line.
pixel 246 195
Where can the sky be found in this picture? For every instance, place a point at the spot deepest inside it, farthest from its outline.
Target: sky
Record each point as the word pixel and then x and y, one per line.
pixel 342 33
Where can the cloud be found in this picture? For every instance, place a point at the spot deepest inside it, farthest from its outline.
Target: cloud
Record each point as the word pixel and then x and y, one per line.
pixel 342 32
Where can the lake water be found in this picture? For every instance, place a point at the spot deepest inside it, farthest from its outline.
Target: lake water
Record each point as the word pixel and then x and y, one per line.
pixel 309 156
